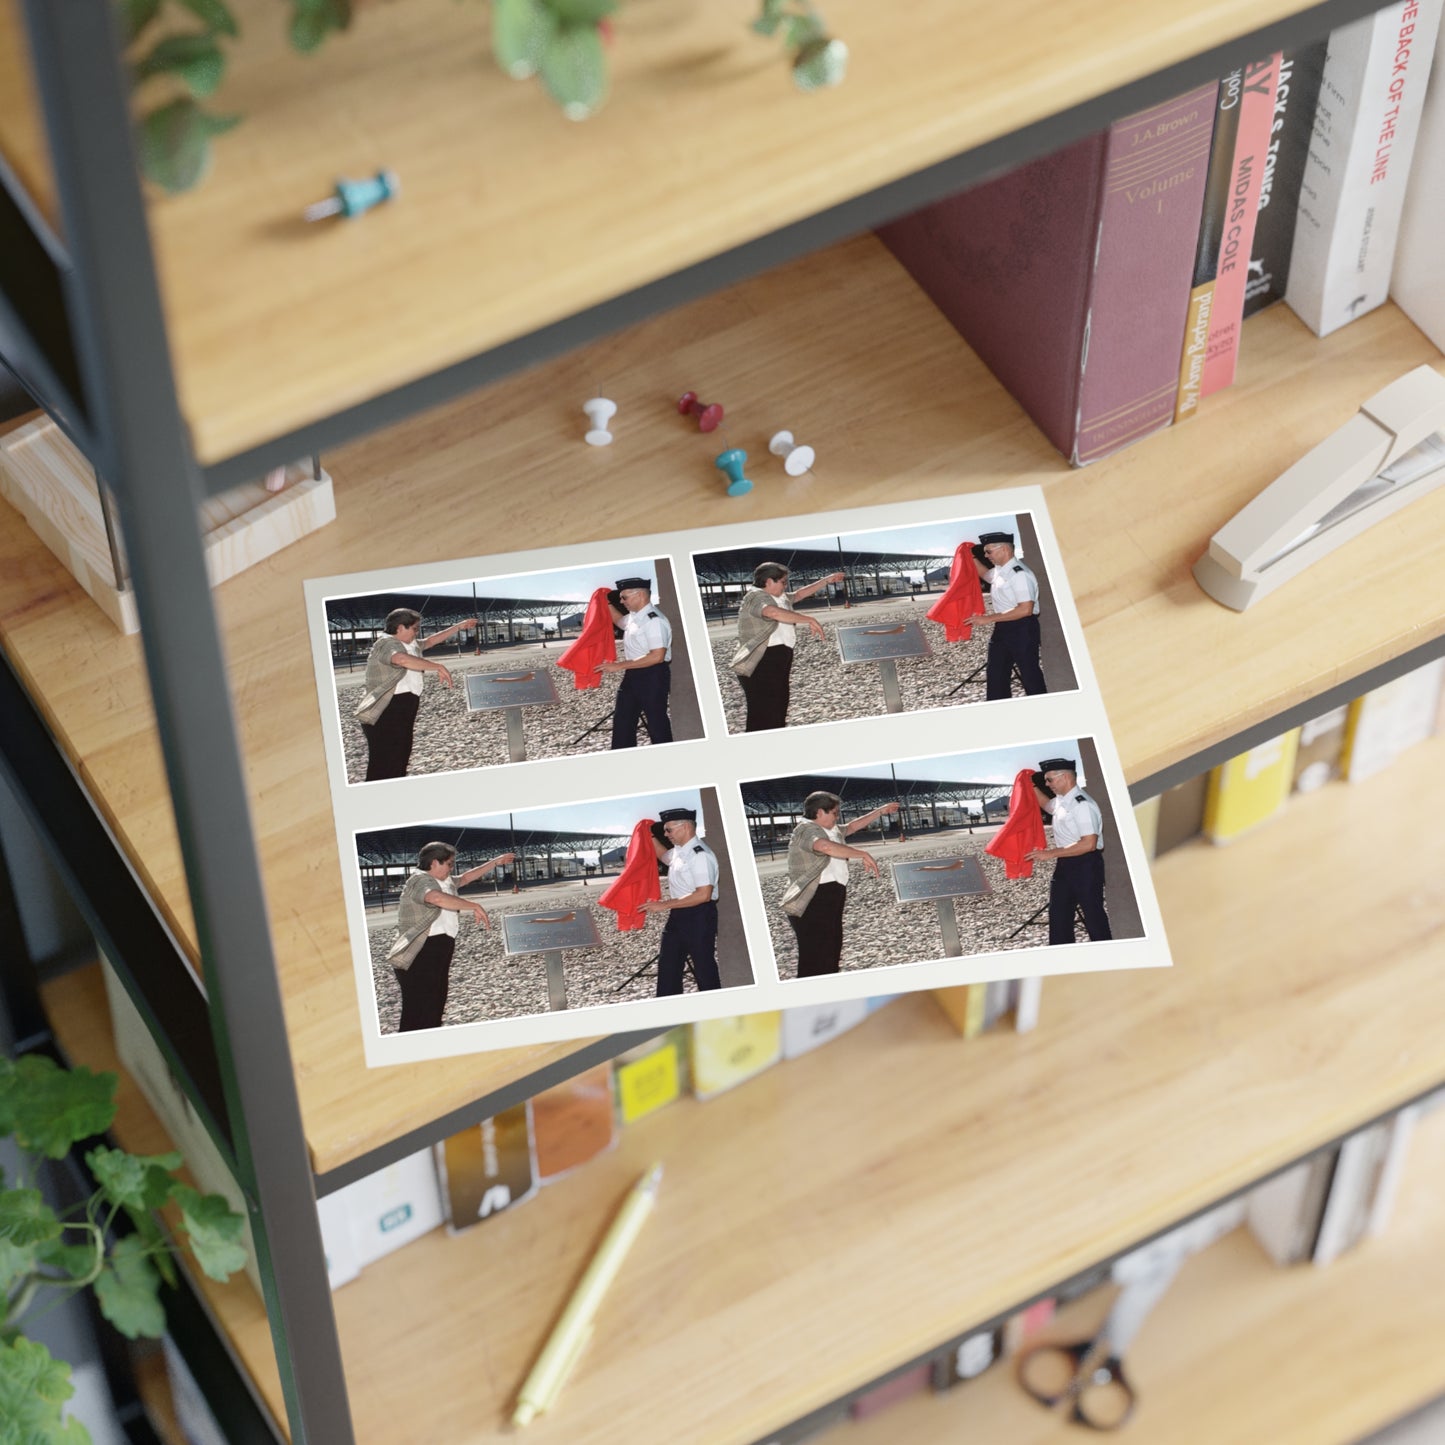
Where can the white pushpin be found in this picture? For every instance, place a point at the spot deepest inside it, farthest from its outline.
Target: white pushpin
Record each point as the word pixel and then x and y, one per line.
pixel 796 459
pixel 599 411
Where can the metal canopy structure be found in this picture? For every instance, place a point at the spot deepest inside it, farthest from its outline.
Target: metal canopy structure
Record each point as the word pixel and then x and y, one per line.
pixel 723 576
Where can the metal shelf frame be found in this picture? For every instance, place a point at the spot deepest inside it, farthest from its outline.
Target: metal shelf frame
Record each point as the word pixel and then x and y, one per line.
pixel 82 328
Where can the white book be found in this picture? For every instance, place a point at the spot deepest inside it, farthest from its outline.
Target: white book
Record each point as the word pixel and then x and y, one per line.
pixel 1026 1004
pixel 1391 718
pixel 1392 1167
pixel 1284 1214
pixel 1351 1187
pixel 392 1207
pixel 1418 283
pixel 1355 177
pixel 808 1026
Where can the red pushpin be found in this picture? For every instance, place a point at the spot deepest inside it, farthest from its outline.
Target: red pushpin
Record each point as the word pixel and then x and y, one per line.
pixel 709 417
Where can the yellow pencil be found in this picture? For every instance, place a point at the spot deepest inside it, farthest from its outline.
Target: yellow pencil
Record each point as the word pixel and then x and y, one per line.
pixel 566 1342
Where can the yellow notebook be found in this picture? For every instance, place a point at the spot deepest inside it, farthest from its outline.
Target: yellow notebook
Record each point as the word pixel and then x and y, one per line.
pixel 966 1006
pixel 1249 789
pixel 650 1076
pixel 727 1051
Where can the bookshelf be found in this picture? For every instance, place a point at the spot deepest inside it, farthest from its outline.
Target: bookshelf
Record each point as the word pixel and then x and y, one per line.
pixel 1240 1349
pixel 479 272
pixel 930 421
pixel 871 1200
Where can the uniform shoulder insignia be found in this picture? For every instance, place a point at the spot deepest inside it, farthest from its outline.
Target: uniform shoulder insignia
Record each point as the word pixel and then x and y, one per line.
pixel 652 613
pixel 698 848
pixel 1018 566
pixel 1079 798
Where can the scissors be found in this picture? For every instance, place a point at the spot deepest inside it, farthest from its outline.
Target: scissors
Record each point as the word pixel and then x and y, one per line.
pixel 1089 1374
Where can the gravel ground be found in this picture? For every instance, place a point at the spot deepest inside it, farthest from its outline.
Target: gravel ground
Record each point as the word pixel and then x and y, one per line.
pixel 878 931
pixel 487 984
pixel 449 738
pixel 824 690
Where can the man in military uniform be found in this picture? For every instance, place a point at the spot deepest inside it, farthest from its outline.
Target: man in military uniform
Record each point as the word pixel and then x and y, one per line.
pixel 1078 852
pixel 1015 640
pixel 691 904
pixel 645 667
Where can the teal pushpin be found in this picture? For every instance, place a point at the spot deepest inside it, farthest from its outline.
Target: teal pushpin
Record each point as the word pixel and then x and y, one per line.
pixel 355 198
pixel 731 461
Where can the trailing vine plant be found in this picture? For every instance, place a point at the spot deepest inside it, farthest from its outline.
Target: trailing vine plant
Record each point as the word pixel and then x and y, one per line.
pixel 46 1256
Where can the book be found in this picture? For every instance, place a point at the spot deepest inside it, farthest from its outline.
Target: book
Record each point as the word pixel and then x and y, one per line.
pixel 1025 1323
pixel 1399 1131
pixel 487 1168
pixel 1214 209
pixel 1389 719
pixel 1146 815
pixel 343 1263
pixel 1283 1214
pixel 1353 189
pixel 393 1206
pixel 1249 789
pixel 965 1007
pixel 1415 283
pixel 1321 747
pixel 651 1075
pixel 890 1392
pixel 1026 1003
pixel 1347 1205
pixel 727 1051
pixel 1256 109
pixel 810 1025
pixel 1181 813
pixel 1291 127
pixel 572 1123
pixel 1049 271
pixel 966 1360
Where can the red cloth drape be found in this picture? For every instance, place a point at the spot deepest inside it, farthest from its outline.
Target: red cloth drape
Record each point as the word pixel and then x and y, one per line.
pixel 962 600
pixel 1023 831
pixel 637 883
pixel 595 644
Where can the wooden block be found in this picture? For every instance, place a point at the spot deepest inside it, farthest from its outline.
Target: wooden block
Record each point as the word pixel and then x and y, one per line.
pixel 50 483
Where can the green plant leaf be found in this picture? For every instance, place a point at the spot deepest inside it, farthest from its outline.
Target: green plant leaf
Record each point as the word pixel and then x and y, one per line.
pixel 135 15
pixel 521 32
pixel 48 1108
pixel 175 143
pixel 136 1181
pixel 25 1218
pixel 581 12
pixel 214 15
pixel 820 63
pixel 74 1261
pixel 128 1290
pixel 804 29
pixel 195 60
pixel 574 70
pixel 16 1261
pixel 33 1390
pixel 214 1229
pixel 769 18
pixel 313 20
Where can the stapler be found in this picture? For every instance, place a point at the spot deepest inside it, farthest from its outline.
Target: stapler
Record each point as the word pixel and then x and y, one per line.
pixel 1389 453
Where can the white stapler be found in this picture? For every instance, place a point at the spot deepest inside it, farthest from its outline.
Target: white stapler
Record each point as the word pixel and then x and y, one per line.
pixel 1386 455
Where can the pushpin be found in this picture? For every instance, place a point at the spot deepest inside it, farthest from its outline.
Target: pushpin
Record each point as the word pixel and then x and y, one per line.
pixel 796 459
pixel 731 461
pixel 354 198
pixel 599 411
pixel 709 416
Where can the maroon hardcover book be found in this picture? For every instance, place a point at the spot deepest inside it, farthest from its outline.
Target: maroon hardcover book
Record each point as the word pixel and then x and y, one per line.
pixel 1070 275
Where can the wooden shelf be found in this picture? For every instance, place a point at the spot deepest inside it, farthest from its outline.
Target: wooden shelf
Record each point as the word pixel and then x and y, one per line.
pixel 1242 1350
pixel 511 217
pixel 849 1211
pixel 899 408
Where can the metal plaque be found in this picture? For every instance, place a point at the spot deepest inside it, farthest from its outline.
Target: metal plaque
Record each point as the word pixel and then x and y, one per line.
pixel 939 878
pixel 526 687
pixel 549 928
pixel 878 644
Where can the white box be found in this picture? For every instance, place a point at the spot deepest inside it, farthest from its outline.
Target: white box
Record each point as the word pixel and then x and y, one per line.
pixel 392 1207
pixel 805 1028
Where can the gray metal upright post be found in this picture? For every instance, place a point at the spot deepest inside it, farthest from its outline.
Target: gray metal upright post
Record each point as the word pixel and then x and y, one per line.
pixel 142 449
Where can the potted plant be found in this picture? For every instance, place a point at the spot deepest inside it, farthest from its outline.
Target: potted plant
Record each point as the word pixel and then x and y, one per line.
pixel 46 1256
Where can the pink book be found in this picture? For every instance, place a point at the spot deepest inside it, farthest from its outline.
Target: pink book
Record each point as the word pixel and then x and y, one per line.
pixel 1070 275
pixel 1251 146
